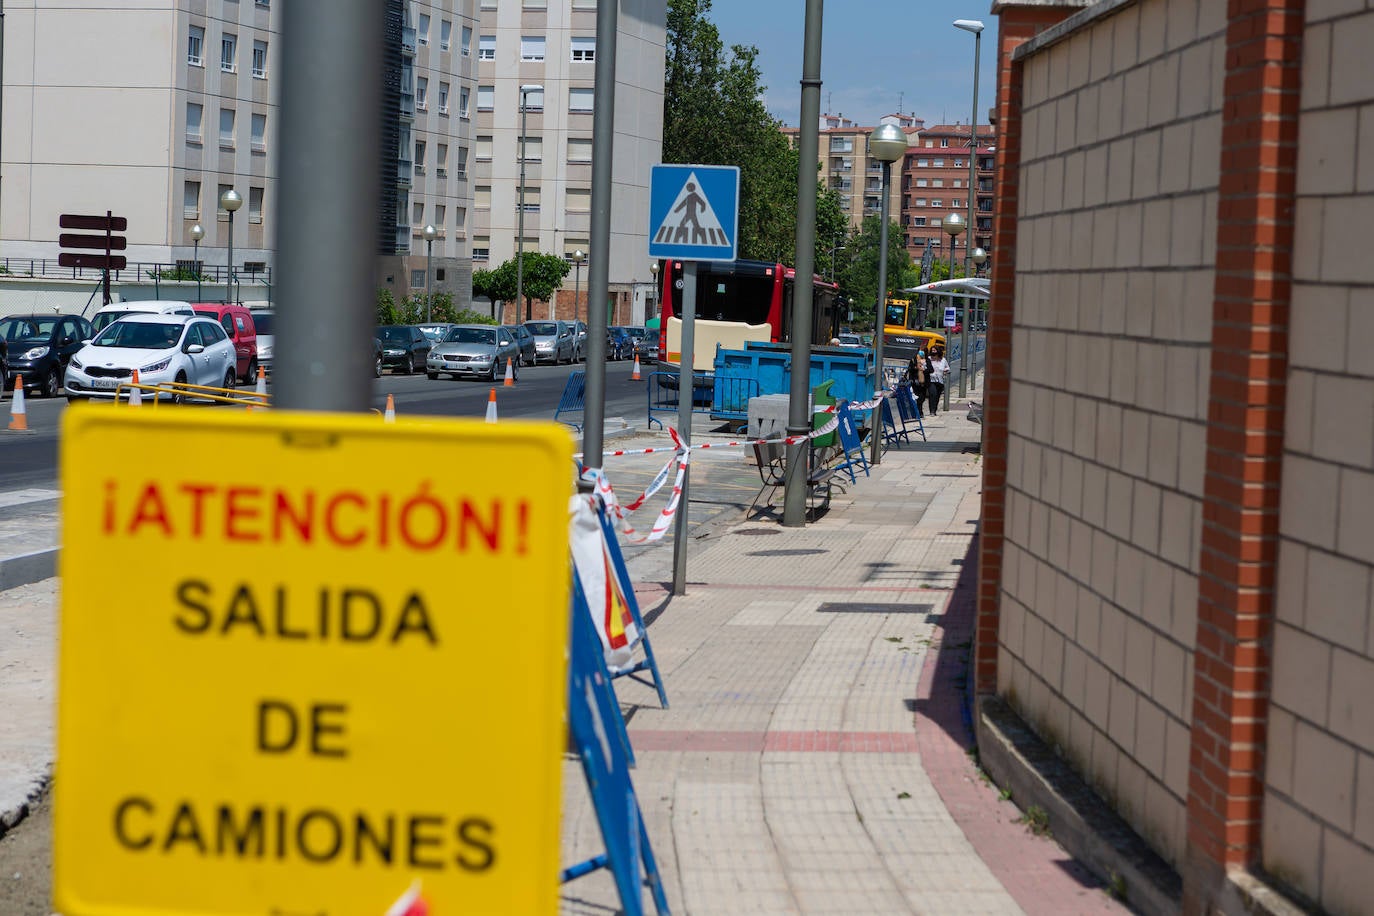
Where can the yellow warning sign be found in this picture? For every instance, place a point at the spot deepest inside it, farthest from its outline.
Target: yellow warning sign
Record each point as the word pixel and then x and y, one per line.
pixel 308 660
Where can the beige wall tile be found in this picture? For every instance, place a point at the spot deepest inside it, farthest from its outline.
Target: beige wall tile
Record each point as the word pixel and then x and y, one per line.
pixel 1126 48
pixel 1347 874
pixel 1145 501
pixel 1292 844
pixel 1099 685
pixel 1089 625
pixel 1130 232
pixel 1177 747
pixel 1179 529
pixel 1129 592
pixel 1291 583
pixel 1364 799
pixel 1140 310
pixel 1278 751
pixel 1145 165
pixel 1182 23
pixel 1324 776
pixel 1192 457
pixel 1301 666
pixel 1319 316
pixel 1120 171
pixel 1316 63
pixel 1309 222
pixel 1351 713
pixel 1094 499
pixel 1184 627
pixel 1121 719
pixel 1075 680
pixel 1158 229
pixel 1344 255
pixel 1299 410
pixel 1190 223
pixel 1338 598
pixel 1140 654
pixel 1309 500
pixel 1103 39
pixel 1120 494
pixel 1343 423
pixel 1364 168
pixel 1205 167
pixel 1359 359
pixel 1195 72
pixel 1153 23
pixel 1352 66
pixel 1355 534
pixel 1171 668
pixel 1157 606
pixel 1326 153
pixel 1164 447
pixel 1164 90
pixel 1175 155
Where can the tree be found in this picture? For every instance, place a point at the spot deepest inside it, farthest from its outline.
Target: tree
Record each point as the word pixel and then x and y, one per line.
pixel 859 268
pixel 712 114
pixel 543 273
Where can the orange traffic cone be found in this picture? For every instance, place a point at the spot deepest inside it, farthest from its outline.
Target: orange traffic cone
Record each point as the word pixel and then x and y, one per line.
pixel 510 374
pixel 491 407
pixel 19 418
pixel 634 376
pixel 390 415
pixel 261 391
pixel 135 393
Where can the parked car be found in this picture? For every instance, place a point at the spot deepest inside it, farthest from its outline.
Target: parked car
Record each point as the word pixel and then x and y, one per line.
pixel 436 330
pixel 646 344
pixel 619 343
pixel 237 322
pixel 579 330
pixel 404 347
pixel 38 348
pixel 851 340
pixel 525 340
pixel 479 350
pixel 376 358
pixel 163 348
pixel 553 341
pixel 117 310
pixel 265 323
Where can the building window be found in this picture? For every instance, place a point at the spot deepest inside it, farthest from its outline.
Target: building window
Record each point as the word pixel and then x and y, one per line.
pixel 195 47
pixel 939 163
pixel 486 98
pixel 440 211
pixel 255 205
pixel 421 93
pixel 534 149
pixel 220 213
pixel 422 29
pixel 259 132
pixel 462 163
pixel 481 197
pixel 486 47
pixel 579 149
pixel 417 213
pixel 580 100
pixel 922 183
pixel 483 148
pixel 532 47
pixel 937 202
pixel 922 163
pixel 579 200
pixel 584 4
pixel 226 128
pixel 959 163
pixel 443 98
pixel 441 159
pixel 417 278
pixel 195 113
pixel 535 4
pixel 937 182
pixel 460 218
pixel 419 157
pixel 464 99
pixel 190 202
pixel 446 36
pixel 920 201
pixel 918 221
pixel 481 247
pixel 260 60
pixel 531 199
pixel 228 53
pixel 534 99
pixel 583 50
pixel 944 143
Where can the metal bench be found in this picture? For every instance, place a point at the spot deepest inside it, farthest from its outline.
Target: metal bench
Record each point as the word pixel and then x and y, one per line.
pixel 772 461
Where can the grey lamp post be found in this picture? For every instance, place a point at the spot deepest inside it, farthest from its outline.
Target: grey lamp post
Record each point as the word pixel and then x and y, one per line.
pixel 197 234
pixel 653 272
pixel 954 225
pixel 976 27
pixel 231 201
pixel 430 234
pixel 578 257
pixel 887 144
pixel 520 229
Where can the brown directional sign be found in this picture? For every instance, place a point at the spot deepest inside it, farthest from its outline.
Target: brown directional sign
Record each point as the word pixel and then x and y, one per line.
pixel 100 223
pixel 98 261
pixel 94 242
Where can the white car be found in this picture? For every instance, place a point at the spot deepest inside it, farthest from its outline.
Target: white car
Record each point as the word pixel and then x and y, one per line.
pixel 163 348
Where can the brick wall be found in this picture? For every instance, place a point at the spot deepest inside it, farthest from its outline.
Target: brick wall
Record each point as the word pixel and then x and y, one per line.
pixel 1318 813
pixel 1108 393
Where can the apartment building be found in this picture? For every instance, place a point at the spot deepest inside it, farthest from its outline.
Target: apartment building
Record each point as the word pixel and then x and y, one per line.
pixel 544 51
pixel 148 110
pixel 935 180
pixel 847 167
pixel 426 131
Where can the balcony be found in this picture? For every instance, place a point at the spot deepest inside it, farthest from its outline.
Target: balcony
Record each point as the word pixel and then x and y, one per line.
pixel 441 172
pixel 407 109
pixel 402 239
pixel 408 41
pixel 404 168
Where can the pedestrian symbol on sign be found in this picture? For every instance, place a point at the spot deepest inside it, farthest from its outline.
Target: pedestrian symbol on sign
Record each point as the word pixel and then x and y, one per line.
pixel 691 221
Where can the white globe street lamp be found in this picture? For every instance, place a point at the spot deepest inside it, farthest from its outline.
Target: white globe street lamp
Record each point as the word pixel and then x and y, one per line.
pixel 887 143
pixel 231 201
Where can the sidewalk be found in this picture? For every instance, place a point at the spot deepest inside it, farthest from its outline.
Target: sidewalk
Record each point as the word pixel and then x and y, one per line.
pixel 815 755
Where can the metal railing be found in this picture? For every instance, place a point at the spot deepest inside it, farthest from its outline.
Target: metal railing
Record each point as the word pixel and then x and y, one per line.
pixel 48 268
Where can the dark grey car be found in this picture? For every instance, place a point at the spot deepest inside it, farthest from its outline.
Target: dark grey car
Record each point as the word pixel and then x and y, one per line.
pixel 525 339
pixel 553 341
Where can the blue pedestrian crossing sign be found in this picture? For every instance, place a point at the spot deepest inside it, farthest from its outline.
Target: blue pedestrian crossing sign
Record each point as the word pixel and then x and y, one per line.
pixel 694 212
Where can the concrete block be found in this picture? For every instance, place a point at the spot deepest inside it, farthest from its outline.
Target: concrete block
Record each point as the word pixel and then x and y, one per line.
pixel 1327 153
pixel 1309 221
pixel 1140 654
pixel 1145 165
pixel 1359 357
pixel 1352 66
pixel 1145 500
pixel 1205 165
pixel 1355 534
pixel 1343 422
pixel 1164 91
pixel 1149 737
pixel 1364 799
pixel 1301 664
pixel 1324 776
pixel 1111 647
pixel 1120 496
pixel 1126 46
pixel 1121 718
pixel 1192 458
pixel 1347 874
pixel 1183 628
pixel 1319 316
pixel 1110 418
pixel 1157 227
pixel 1089 622
pixel 1278 751
pixel 1343 253
pixel 1175 155
pixel 1338 599
pixel 1316 63
pixel 1095 177
pixel 1153 24
pixel 1178 745
pixel 1162 464
pixel 1171 665
pixel 1181 23
pixel 1290 600
pixel 1364 168
pixel 1120 172
pixel 1189 224
pixel 1352 684
pixel 1099 686
pixel 1140 307
pixel 1309 499
pixel 1291 843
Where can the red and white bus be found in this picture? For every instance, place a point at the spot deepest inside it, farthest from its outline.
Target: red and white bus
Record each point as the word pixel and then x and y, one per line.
pixel 739 301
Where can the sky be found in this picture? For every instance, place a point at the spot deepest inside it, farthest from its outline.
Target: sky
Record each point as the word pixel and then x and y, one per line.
pixel 877 56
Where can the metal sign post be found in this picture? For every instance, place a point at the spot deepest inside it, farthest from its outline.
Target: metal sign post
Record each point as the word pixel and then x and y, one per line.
pixel 686 398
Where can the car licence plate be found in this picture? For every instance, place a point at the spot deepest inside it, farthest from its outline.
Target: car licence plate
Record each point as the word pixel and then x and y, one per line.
pixel 105 384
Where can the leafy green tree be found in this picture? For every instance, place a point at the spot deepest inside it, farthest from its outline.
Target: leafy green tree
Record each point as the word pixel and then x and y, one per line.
pixel 859 269
pixel 386 308
pixel 712 114
pixel 543 273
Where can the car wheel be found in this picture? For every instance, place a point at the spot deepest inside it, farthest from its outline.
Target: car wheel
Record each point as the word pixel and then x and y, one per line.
pixel 515 372
pixel 51 383
pixel 179 397
pixel 377 368
pixel 491 376
pixel 252 372
pixel 410 364
pixel 230 379
pixel 433 376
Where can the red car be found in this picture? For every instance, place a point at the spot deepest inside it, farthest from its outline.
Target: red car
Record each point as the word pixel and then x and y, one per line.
pixel 237 322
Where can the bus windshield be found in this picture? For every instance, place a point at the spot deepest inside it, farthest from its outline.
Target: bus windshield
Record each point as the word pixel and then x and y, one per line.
pixel 895 314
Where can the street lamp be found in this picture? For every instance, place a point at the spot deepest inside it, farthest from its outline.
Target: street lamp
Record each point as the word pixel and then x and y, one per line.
pixel 197 234
pixel 578 257
pixel 887 144
pixel 976 27
pixel 430 234
pixel 954 225
pixel 231 201
pixel 835 249
pixel 520 229
pixel 653 272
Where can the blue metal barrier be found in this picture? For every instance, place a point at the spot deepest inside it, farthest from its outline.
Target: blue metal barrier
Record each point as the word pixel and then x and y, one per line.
pixel 573 400
pixel 663 396
pixel 730 397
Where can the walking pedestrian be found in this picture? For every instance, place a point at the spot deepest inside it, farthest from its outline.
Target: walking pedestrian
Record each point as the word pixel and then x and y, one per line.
pixel 917 375
pixel 939 371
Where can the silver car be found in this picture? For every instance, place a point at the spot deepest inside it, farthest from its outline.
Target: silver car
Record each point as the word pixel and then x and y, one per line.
pixel 479 350
pixel 553 341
